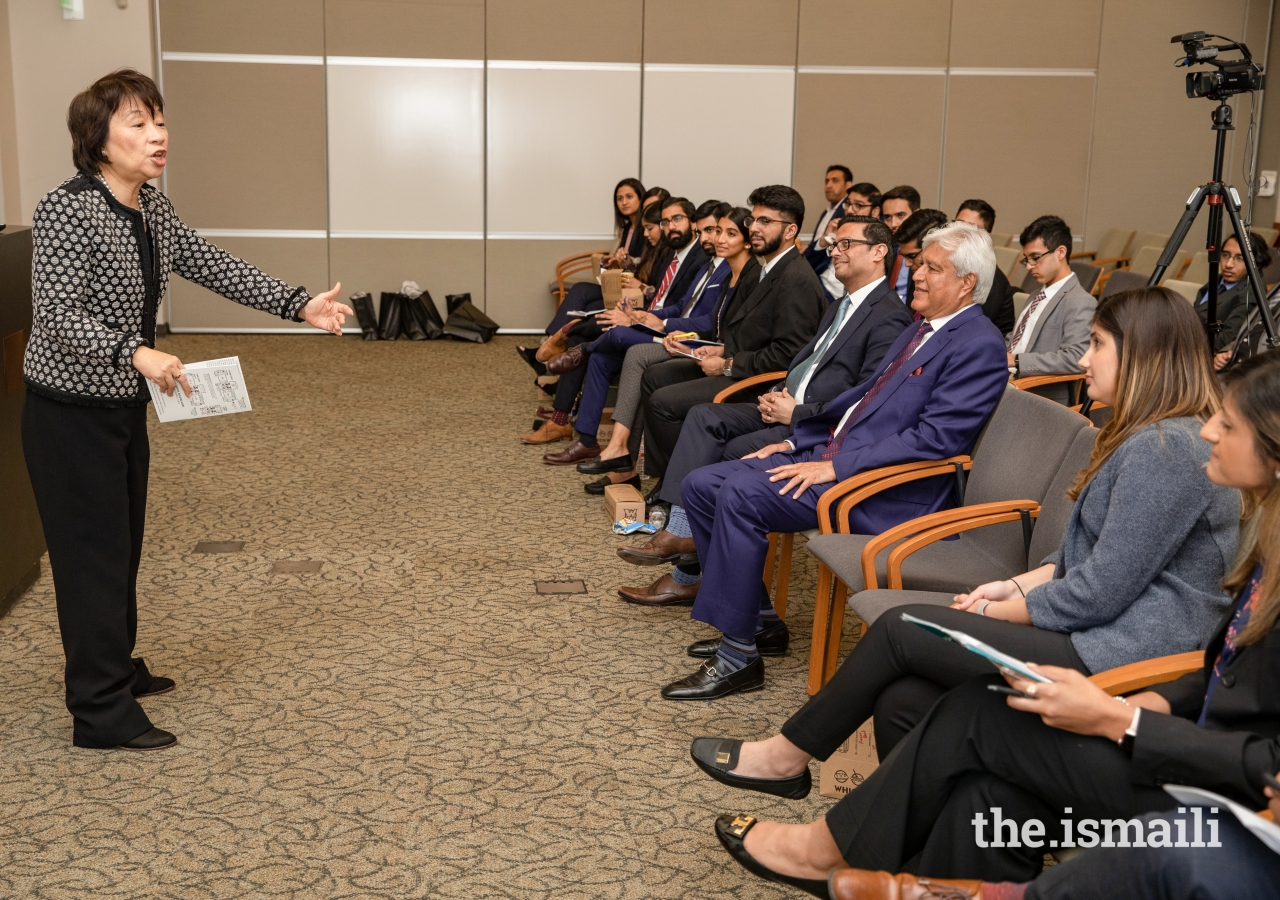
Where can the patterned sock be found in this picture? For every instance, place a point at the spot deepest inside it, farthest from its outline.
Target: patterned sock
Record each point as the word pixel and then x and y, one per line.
pixel 560 417
pixel 678 523
pixel 735 653
pixel 1004 890
pixel 587 440
pixel 682 577
pixel 768 615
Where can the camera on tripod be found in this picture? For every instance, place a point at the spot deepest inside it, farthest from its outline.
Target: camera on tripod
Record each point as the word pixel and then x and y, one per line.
pixel 1233 76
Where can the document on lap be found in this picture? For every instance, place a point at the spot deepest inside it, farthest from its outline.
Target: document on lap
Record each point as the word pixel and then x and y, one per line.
pixel 973 645
pixel 1267 832
pixel 217 389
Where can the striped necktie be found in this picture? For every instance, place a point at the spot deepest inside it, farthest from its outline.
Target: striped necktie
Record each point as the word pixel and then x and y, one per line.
pixel 665 286
pixel 1026 317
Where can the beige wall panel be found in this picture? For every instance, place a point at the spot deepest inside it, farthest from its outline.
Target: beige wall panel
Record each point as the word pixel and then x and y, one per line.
pixel 247 144
pixel 839 119
pixel 721 32
pixel 405 28
pixel 553 166
pixel 1269 137
pixel 571 30
pixel 1013 33
pixel 1151 144
pixel 297 261
pixel 53 60
pixel 377 265
pixel 518 275
pixel 1023 172
pixel 10 186
pixel 290 27
pixel 406 149
pixel 859 32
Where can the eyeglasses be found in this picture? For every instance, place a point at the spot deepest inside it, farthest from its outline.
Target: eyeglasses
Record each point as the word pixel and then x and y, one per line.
pixel 1233 257
pixel 766 222
pixel 858 207
pixel 911 257
pixel 673 220
pixel 1032 259
pixel 844 244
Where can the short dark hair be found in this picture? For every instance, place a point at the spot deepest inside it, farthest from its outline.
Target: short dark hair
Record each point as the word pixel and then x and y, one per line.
pixel 986 212
pixel 784 199
pixel 1261 255
pixel 1050 229
pixel 873 230
pixel 918 224
pixel 902 192
pixel 89 116
pixel 686 207
pixel 660 192
pixel 865 188
pixel 711 208
pixel 652 213
pixel 843 170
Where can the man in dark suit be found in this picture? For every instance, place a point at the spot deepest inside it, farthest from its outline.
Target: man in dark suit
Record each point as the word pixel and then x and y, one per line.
pixel 852 339
pixel 834 189
pixel 762 329
pixel 1252 338
pixel 896 206
pixel 1233 289
pixel 998 306
pixel 929 398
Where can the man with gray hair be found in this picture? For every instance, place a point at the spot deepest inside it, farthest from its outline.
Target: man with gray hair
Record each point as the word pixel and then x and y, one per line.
pixel 928 399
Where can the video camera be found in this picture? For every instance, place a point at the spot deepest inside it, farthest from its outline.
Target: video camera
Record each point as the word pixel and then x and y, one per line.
pixel 1234 76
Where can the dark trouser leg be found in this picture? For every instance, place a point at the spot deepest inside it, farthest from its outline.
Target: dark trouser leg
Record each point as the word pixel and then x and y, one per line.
pixel 706 430
pixel 1241 869
pixel 905 809
pixel 901 707
pixel 665 411
pixel 600 370
pixel 894 649
pixel 570 383
pixel 88 469
pixel 654 378
pixel 756 440
pixel 585 295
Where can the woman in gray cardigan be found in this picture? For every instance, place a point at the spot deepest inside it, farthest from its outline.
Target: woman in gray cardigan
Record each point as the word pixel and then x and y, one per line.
pixel 1138 575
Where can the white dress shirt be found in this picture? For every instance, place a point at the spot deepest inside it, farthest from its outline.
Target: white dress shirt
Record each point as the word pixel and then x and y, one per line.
pixel 823 222
pixel 680 257
pixel 765 269
pixel 857 298
pixel 702 282
pixel 830 281
pixel 1024 342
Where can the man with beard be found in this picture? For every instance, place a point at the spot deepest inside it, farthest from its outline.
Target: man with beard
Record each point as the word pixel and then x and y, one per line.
pixel 762 329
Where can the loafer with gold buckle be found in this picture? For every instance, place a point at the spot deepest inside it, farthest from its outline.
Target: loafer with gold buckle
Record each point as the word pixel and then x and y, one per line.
pixel 718 757
pixel 732 829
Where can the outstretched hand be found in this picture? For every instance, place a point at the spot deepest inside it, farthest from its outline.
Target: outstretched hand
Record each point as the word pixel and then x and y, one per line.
pixel 325 313
pixel 803 475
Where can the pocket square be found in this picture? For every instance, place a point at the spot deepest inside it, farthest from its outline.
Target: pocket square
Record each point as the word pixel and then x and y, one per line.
pixel 916 372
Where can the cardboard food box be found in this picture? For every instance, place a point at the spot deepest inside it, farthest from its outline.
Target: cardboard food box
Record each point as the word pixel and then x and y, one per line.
pixel 623 503
pixel 613 291
pixel 849 766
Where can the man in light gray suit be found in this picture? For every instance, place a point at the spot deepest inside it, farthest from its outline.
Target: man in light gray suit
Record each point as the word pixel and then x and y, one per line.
pixel 1053 331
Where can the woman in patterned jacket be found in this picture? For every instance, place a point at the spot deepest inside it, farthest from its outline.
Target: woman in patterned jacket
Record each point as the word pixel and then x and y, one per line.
pixel 105 243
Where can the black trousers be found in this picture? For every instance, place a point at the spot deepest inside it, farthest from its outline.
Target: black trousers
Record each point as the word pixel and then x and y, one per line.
pixel 898 671
pixel 569 385
pixel 974 755
pixel 668 392
pixel 583 296
pixel 88 468
pixel 712 432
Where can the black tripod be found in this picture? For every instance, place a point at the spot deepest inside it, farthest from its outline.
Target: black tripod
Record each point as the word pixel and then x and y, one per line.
pixel 1218 195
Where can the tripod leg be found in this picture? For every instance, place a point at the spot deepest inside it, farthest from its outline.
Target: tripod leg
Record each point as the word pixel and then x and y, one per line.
pixel 1256 286
pixel 1194 202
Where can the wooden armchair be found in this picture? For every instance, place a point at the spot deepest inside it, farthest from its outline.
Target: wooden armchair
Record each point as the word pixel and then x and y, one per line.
pixel 572 265
pixel 1035 381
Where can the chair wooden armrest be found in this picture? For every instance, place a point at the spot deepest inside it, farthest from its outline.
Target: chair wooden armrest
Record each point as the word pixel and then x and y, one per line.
pixel 571 265
pixel 1035 381
pixel 853 491
pixel 763 378
pixel 1083 254
pixel 1266 814
pixel 1139 675
pixel 1118 261
pixel 925 530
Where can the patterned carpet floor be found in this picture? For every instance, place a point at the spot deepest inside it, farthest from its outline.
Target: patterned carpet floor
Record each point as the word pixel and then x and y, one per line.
pixel 411 721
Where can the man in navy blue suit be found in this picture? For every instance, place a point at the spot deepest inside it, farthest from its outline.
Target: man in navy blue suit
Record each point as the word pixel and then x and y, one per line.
pixel 928 399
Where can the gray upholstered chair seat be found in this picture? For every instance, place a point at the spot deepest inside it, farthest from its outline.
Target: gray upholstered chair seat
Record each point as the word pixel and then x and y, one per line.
pixel 871 605
pixel 959 565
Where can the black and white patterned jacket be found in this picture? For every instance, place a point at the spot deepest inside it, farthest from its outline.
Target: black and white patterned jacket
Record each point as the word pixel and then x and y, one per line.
pixel 97 278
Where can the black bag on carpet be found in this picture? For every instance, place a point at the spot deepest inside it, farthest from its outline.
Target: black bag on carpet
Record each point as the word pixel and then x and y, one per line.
pixel 466 322
pixel 363 304
pixel 390 316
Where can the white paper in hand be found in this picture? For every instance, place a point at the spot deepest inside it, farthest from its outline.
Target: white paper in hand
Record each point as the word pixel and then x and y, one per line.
pixel 1267 832
pixel 217 389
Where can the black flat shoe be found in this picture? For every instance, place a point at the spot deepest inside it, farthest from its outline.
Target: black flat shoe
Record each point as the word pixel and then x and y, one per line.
pixel 529 355
pixel 732 829
pixel 597 487
pixel 769 642
pixel 718 756
pixel 652 497
pixel 158 685
pixel 708 682
pixel 600 466
pixel 153 739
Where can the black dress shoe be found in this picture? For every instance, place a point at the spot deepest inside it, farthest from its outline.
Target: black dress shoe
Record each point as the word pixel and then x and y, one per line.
pixel 529 355
pixel 652 497
pixel 770 641
pixel 719 756
pixel 709 682
pixel 158 685
pixel 600 466
pixel 732 829
pixel 597 487
pixel 152 739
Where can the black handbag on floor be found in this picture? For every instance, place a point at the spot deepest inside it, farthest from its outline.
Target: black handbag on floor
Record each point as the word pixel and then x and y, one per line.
pixel 466 322
pixel 391 316
pixel 425 317
pixel 363 304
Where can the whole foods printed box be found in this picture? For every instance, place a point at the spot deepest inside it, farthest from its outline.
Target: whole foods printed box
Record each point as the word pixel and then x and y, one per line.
pixel 850 765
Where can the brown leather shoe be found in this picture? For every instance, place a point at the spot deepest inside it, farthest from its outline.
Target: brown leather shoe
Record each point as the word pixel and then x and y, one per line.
pixel 663 547
pixel 666 591
pixel 575 453
pixel 554 345
pixel 548 434
pixel 571 359
pixel 860 884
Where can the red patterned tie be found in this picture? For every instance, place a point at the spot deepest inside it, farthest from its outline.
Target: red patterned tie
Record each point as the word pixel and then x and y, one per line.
pixel 837 438
pixel 661 296
pixel 1026 317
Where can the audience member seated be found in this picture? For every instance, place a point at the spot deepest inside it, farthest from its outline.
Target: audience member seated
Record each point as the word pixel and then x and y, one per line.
pixel 928 399
pixel 862 199
pixel 852 338
pixel 1088 754
pixel 606 353
pixel 908 241
pixel 733 248
pixel 1138 573
pixel 761 331
pixel 1053 330
pixel 1233 289
pixel 896 205
pixel 999 304
pixel 834 188
pixel 1252 338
